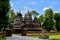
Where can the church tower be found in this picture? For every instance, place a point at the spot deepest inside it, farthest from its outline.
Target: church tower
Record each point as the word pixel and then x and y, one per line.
pixel 28 16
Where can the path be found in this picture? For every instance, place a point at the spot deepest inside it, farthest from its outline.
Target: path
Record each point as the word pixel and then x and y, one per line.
pixel 16 37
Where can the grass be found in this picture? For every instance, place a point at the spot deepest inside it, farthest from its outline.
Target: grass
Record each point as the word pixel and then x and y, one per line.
pixel 54 36
pixel 18 34
pixel 2 38
pixel 51 36
pixel 35 36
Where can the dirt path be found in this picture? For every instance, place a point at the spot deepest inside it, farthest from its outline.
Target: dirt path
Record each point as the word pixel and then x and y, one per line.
pixel 16 37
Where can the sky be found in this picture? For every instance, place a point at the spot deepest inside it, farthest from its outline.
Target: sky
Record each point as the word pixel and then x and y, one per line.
pixel 38 5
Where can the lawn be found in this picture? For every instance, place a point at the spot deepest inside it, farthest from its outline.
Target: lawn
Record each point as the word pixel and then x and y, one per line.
pixel 2 38
pixel 55 37
pixel 51 36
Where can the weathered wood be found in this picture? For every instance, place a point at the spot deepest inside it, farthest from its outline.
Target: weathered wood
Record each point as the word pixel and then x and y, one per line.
pixel 2 34
pixel 8 32
pixel 28 23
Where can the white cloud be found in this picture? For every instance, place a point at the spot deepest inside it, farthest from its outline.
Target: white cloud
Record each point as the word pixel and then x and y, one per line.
pixel 46 8
pixel 12 7
pixel 11 4
pixel 25 9
pixel 56 11
pixel 55 2
pixel 32 3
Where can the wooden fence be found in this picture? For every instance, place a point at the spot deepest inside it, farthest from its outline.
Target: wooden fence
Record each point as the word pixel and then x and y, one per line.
pixel 39 33
pixel 2 34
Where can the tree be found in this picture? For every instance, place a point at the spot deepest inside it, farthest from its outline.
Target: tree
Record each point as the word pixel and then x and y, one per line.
pixel 34 13
pixel 49 19
pixel 57 18
pixel 11 15
pixel 40 19
pixel 4 9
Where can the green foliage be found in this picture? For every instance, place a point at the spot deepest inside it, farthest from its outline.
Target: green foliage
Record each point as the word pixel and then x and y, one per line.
pixel 2 38
pixel 34 13
pixel 11 15
pixel 49 20
pixel 57 18
pixel 40 19
pixel 4 9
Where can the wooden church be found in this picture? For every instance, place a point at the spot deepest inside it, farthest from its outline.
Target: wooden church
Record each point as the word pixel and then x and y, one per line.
pixel 26 23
